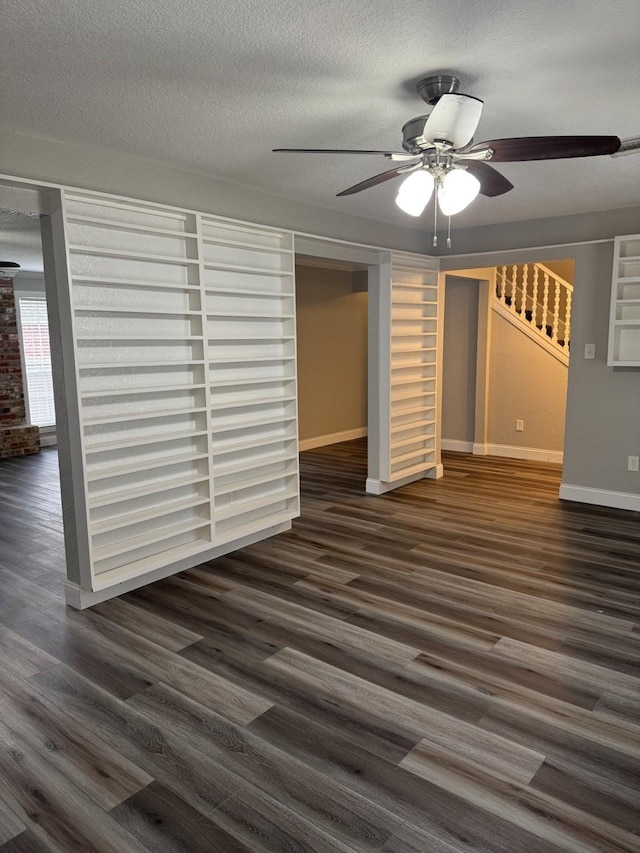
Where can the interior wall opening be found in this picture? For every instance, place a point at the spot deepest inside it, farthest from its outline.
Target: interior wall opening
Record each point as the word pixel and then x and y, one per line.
pixel 332 340
pixel 507 333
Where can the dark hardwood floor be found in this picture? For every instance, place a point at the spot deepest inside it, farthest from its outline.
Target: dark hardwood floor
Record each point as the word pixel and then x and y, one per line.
pixel 451 667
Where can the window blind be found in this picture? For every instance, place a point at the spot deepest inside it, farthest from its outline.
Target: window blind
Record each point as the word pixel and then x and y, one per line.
pixel 37 359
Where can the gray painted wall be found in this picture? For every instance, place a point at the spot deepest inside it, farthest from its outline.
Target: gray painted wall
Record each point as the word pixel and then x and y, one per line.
pixel 459 358
pixel 152 180
pixel 603 405
pixel 527 383
pixel 584 227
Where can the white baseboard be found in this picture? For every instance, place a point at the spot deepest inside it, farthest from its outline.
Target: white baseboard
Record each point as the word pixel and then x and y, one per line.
pixel 80 598
pixel 479 449
pixel 457 446
pixel 436 472
pixel 600 497
pixel 512 452
pixel 379 487
pixel 332 438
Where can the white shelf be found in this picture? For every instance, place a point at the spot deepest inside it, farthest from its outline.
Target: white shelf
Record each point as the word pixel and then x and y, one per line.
pixel 236 315
pixel 222 449
pixel 397 382
pixel 99 309
pixel 146 389
pixel 142 440
pixel 214 265
pixel 273 477
pixel 110 577
pixel 624 334
pixel 128 254
pixel 263 380
pixel 399 285
pixel 80 219
pixel 241 359
pixel 414 454
pixel 148 538
pixel 229 291
pixel 396 428
pixel 150 475
pixel 115 497
pixel 113 365
pixel 128 518
pixel 411 410
pixel 141 416
pixel 186 339
pixel 242 508
pixel 240 244
pixel 136 468
pixel 133 282
pixel 252 464
pixel 247 401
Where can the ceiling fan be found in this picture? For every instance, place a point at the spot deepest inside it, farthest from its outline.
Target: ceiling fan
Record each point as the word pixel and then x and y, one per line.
pixel 439 152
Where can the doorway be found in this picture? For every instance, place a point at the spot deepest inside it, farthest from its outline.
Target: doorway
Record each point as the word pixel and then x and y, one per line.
pixel 505 360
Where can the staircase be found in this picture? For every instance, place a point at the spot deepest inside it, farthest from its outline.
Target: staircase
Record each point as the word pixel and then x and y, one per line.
pixel 539 301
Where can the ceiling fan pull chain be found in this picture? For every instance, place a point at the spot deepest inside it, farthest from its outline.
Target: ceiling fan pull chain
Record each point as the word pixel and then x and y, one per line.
pixel 449 235
pixel 435 220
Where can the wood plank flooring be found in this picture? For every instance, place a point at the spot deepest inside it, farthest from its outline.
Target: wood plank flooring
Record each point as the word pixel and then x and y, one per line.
pixel 450 668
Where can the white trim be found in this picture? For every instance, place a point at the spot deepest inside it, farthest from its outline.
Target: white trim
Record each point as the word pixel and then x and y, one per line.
pixel 533 453
pixel 80 598
pixel 435 473
pixel 332 438
pixel 379 487
pixel 479 449
pixel 525 249
pixel 457 446
pixel 600 497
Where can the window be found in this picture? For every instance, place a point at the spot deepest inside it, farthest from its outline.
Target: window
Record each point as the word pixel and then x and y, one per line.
pixel 34 330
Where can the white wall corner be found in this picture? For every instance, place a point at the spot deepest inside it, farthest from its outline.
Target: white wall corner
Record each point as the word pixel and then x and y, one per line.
pixel 479 449
pixel 600 497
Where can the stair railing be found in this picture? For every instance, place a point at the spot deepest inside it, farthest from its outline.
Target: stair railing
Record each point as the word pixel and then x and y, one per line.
pixel 541 298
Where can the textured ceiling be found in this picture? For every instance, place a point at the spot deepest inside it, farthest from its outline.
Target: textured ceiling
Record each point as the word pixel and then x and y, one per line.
pixel 213 86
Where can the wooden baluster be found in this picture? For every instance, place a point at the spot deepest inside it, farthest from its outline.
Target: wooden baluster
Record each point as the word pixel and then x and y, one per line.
pixel 556 311
pixel 545 302
pixel 567 320
pixel 534 297
pixel 514 288
pixel 525 290
pixel 501 281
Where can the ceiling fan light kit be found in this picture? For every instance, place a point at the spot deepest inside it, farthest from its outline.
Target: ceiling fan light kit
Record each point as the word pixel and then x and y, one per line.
pixel 440 155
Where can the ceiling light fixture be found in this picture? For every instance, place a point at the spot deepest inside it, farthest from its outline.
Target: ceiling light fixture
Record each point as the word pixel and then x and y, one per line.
pixel 458 190
pixel 415 192
pixel 455 189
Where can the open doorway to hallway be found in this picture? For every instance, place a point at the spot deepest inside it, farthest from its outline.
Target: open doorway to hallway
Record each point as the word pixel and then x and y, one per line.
pixel 505 362
pixel 332 332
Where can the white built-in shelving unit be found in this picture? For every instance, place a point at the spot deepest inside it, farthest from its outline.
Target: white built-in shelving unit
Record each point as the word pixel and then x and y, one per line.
pixel 413 376
pixel 624 325
pixel 183 331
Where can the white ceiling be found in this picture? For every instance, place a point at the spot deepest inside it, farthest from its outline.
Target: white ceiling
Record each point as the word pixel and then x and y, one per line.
pixel 214 86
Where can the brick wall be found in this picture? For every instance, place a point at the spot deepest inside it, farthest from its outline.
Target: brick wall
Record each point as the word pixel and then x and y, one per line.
pixel 16 438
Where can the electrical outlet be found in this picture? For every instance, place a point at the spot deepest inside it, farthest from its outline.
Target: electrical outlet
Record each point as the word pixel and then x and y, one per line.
pixel 589 350
pixel 519 425
pixel 632 463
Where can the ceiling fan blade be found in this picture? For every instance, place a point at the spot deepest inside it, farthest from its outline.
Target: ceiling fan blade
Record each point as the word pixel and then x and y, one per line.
pixel 390 154
pixel 548 147
pixel 454 119
pixel 492 183
pixel 379 179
